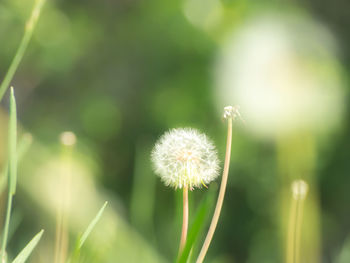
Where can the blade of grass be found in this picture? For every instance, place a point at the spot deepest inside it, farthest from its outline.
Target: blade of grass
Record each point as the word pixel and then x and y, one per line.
pixel 16 220
pixel 80 241
pixel 200 218
pixel 91 226
pixel 27 250
pixel 3 180
pixel 22 149
pixel 12 144
pixel 12 170
pixel 29 27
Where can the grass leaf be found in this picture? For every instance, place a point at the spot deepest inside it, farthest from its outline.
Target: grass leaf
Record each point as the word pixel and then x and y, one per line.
pixel 27 250
pixel 80 241
pixel 91 226
pixel 195 230
pixel 12 144
pixel 22 148
pixel 30 25
pixel 12 169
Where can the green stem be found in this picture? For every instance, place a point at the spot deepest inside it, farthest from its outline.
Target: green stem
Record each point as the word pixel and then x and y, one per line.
pixel 6 228
pixel 22 47
pixel 294 232
pixel 184 220
pixel 221 196
pixel 299 217
pixel 12 170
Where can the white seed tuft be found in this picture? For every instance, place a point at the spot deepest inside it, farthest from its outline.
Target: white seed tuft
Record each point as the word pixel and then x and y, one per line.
pixel 185 157
pixel 299 189
pixel 68 138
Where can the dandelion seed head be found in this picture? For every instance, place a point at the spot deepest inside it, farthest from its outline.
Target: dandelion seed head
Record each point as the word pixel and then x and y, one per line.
pixel 185 157
pixel 299 189
pixel 232 112
pixel 68 138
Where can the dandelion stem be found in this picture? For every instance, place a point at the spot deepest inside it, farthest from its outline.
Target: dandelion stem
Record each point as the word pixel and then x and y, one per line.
pixel 221 196
pixel 299 219
pixel 68 140
pixel 294 233
pixel 184 219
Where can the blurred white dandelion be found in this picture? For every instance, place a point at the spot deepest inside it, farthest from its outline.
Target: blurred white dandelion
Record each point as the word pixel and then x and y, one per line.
pixel 184 157
pixel 284 73
pixel 205 14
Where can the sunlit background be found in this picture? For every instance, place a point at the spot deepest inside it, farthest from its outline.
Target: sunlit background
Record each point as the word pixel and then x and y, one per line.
pixel 102 80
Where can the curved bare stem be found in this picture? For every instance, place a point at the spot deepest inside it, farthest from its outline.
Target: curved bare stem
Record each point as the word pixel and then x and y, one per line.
pixel 221 196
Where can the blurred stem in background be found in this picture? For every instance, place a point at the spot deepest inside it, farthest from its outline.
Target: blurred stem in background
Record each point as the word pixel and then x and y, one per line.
pixel 144 184
pixel 29 28
pixel 296 160
pixel 299 191
pixel 68 141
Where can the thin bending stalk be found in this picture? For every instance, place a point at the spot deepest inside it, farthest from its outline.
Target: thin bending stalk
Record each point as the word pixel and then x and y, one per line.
pixel 22 47
pixel 295 223
pixel 299 216
pixel 184 219
pixel 295 232
pixel 221 196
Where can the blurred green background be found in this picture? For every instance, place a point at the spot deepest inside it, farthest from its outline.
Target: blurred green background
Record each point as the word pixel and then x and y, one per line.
pixel 119 74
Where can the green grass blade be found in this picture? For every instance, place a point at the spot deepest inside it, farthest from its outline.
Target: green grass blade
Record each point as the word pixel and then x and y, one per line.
pixel 22 148
pixel 3 180
pixel 12 169
pixel 16 220
pixel 91 226
pixel 30 25
pixel 195 230
pixel 12 144
pixel 27 250
pixel 80 241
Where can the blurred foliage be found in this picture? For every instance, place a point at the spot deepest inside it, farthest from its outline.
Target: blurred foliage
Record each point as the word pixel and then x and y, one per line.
pixel 119 74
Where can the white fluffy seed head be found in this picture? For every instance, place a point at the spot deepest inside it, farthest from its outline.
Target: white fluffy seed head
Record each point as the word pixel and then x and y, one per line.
pixel 185 157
